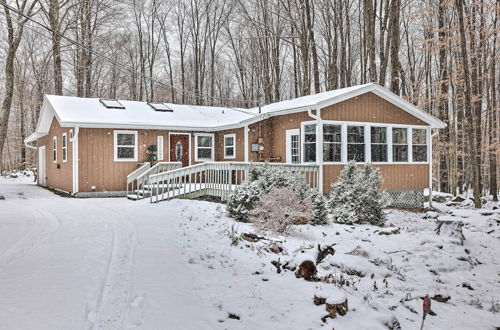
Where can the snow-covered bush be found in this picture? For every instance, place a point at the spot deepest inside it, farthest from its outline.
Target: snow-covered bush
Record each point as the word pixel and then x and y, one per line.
pixel 356 196
pixel 261 180
pixel 320 212
pixel 280 208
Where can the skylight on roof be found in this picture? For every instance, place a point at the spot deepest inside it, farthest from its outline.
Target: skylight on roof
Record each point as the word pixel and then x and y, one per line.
pixel 111 104
pixel 160 107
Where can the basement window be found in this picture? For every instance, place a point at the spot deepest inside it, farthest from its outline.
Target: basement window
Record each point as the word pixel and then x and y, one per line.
pixel 160 107
pixel 125 146
pixel 111 104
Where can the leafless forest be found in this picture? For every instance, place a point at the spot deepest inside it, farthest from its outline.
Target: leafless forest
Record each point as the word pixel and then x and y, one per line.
pixel 439 54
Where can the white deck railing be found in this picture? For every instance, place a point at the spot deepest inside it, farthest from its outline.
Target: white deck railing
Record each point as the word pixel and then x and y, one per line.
pixel 214 179
pixel 137 179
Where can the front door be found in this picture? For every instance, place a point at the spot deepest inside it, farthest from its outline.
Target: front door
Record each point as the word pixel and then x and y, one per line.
pixel 179 148
pixel 42 168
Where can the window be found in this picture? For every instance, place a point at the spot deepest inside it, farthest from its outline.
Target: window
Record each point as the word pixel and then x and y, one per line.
pixel 159 147
pixel 379 144
pixel 64 148
pixel 54 149
pixel 160 107
pixel 332 143
pixel 399 144
pixel 230 146
pixel 310 143
pixel 419 141
pixel 111 104
pixel 356 143
pixel 125 146
pixel 204 147
pixel 294 148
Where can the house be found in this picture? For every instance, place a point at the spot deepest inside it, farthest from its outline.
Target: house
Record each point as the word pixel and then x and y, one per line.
pixel 88 146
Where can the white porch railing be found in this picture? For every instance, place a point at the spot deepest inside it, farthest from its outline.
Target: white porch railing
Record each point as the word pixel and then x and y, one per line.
pixel 137 179
pixel 214 179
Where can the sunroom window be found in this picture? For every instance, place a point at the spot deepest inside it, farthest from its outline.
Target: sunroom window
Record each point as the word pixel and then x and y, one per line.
pixel 356 143
pixel 419 141
pixel 332 143
pixel 379 144
pixel 125 146
pixel 310 143
pixel 399 144
pixel 204 147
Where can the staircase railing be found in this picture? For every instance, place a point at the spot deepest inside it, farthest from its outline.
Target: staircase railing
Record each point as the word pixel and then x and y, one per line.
pixel 215 179
pixel 132 177
pixel 138 178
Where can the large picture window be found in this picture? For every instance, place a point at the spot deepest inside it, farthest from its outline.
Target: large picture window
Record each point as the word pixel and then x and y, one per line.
pixel 204 147
pixel 399 144
pixel 356 143
pixel 230 146
pixel 378 139
pixel 125 146
pixel 419 144
pixel 310 143
pixel 332 143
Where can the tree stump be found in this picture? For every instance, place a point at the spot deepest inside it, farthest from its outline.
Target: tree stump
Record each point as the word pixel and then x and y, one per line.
pixel 337 304
pixel 307 270
pixel 451 229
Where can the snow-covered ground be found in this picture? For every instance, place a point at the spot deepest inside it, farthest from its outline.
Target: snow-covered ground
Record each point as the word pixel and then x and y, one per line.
pixel 68 263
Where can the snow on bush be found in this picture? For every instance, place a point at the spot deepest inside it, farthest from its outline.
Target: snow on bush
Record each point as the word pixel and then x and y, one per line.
pixel 320 211
pixel 280 208
pixel 356 196
pixel 263 179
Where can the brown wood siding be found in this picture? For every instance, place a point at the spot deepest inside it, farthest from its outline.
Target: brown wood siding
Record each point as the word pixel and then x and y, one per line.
pixel 240 145
pixel 59 178
pixel 396 176
pixel 96 158
pixel 369 108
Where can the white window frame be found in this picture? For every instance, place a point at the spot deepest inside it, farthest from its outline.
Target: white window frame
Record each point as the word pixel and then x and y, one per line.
pixel 288 154
pixel 64 147
pixel 115 146
pixel 160 148
pixel 233 135
pixel 387 129
pixel 341 143
pixel 365 156
pixel 54 149
pixel 303 141
pixel 367 126
pixel 196 158
pixel 427 144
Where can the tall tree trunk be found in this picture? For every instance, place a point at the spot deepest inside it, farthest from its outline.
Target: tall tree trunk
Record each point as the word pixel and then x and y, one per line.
pixel 471 130
pixel 493 113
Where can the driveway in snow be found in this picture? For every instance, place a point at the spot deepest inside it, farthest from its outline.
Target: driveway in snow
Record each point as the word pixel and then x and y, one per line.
pixel 68 263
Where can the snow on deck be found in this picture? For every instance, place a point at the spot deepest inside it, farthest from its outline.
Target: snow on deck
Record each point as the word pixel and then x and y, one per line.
pixel 68 263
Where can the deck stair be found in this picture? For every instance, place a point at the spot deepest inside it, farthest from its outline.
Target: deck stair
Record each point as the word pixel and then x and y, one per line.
pixel 137 187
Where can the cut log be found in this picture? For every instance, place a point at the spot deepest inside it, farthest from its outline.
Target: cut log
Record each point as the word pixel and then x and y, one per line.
pixel 337 304
pixel 451 229
pixel 307 270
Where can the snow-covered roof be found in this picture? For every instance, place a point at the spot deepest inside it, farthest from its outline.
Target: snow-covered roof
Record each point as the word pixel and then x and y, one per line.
pixel 90 112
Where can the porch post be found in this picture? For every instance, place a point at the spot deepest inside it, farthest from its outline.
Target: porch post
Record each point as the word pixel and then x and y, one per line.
pixel 245 134
pixel 319 149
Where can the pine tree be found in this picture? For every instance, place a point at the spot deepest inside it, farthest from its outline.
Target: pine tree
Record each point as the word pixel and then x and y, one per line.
pixel 320 212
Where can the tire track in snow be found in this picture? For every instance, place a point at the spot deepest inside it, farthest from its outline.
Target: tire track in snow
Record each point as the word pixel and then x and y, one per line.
pixel 46 223
pixel 114 299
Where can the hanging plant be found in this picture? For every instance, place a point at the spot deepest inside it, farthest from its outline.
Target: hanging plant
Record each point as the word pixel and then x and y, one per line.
pixel 152 152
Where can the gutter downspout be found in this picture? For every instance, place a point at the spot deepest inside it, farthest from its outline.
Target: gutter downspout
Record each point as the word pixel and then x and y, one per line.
pixel 75 159
pixel 29 146
pixel 319 144
pixel 431 135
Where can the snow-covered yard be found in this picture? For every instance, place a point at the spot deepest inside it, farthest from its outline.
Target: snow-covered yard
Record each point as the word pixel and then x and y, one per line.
pixel 68 263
